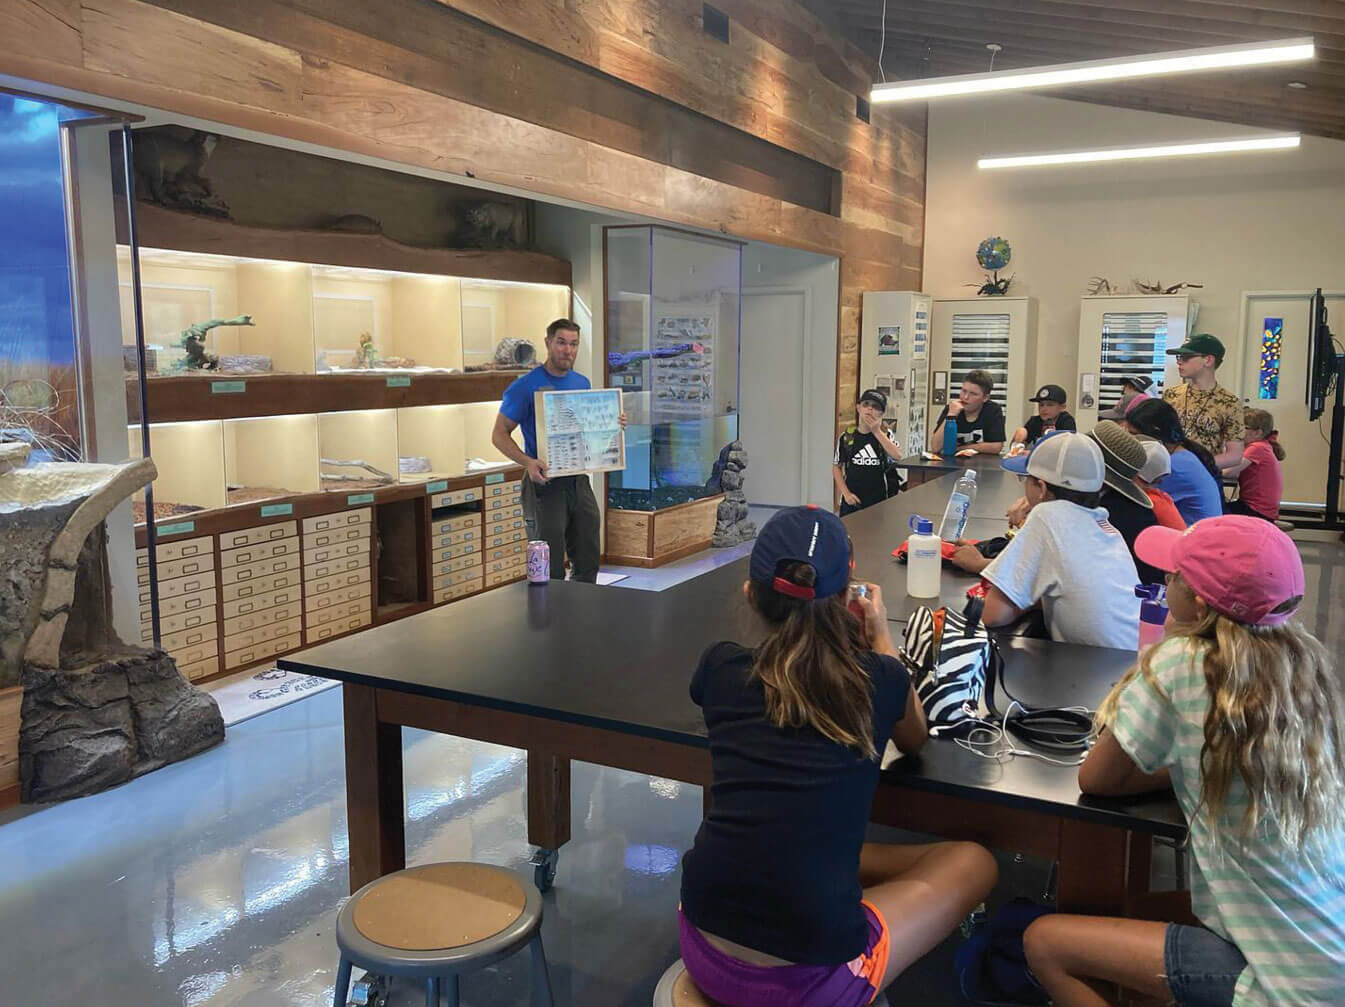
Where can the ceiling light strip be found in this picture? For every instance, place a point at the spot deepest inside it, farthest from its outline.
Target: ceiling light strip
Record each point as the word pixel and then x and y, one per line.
pixel 1279 142
pixel 1287 50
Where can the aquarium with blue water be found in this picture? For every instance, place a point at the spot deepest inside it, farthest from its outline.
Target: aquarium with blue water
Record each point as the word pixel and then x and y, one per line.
pixel 39 373
pixel 674 302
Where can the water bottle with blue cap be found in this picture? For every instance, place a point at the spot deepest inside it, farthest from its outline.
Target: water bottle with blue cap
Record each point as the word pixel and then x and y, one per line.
pixel 924 559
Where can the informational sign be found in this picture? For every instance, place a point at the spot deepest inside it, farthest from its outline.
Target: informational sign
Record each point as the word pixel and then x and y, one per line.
pixel 580 432
pixel 889 340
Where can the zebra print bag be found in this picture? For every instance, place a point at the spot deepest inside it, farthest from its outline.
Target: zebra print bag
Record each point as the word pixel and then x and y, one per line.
pixel 950 661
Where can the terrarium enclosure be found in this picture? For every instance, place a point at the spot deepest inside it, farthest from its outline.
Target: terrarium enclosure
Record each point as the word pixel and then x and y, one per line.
pixel 209 464
pixel 277 317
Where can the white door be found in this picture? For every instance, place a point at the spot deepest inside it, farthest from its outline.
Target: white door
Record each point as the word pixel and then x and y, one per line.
pixel 1305 444
pixel 772 397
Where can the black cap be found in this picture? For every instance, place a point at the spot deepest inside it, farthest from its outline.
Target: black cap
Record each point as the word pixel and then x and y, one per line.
pixel 1049 393
pixel 1142 383
pixel 875 396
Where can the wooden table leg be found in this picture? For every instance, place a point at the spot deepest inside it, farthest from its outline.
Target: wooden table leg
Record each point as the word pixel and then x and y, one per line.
pixel 548 800
pixel 375 801
pixel 1094 875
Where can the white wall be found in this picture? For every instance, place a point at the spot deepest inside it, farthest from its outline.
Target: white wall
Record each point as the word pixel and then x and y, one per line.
pixel 1266 221
pixel 772 266
pixel 1243 222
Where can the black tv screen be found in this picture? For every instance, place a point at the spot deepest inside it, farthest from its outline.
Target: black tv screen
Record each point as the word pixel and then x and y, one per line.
pixel 1321 357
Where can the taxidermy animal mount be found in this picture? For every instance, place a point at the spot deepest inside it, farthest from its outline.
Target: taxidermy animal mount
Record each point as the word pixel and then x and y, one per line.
pixel 1101 286
pixel 193 341
pixel 170 169
pixel 1155 287
pixel 492 224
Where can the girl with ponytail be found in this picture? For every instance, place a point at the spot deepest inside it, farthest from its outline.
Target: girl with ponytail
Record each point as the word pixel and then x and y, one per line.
pixel 1193 482
pixel 783 903
pixel 1260 480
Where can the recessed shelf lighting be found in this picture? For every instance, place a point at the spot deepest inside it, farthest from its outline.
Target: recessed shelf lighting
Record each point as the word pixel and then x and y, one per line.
pixel 1250 143
pixel 1123 68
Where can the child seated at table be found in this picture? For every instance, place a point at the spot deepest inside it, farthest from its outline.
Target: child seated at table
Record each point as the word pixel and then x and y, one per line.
pixel 1260 480
pixel 1067 557
pixel 1240 711
pixel 1157 464
pixel 1051 416
pixel 783 903
pixel 1193 482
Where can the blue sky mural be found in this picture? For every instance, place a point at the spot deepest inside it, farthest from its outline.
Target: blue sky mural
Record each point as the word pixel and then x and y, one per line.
pixel 35 314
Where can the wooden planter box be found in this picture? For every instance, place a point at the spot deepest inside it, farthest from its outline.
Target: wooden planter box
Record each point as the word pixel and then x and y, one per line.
pixel 652 538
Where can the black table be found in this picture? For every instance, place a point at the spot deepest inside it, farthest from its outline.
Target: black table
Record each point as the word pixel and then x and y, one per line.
pixel 575 671
pixel 921 470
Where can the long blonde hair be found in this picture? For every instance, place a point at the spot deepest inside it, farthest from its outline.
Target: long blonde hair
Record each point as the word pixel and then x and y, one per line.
pixel 1264 424
pixel 809 664
pixel 1276 719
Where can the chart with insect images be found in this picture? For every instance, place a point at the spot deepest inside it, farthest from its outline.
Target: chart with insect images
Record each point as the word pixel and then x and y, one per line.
pixel 683 366
pixel 580 431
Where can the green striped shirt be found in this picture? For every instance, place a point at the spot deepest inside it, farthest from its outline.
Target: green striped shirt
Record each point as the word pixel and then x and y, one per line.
pixel 1284 908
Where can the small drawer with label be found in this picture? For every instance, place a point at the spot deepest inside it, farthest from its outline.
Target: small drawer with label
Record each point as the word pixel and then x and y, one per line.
pixel 454 498
pixel 340 550
pixel 179 586
pixel 258 570
pixel 337 536
pixel 177 623
pixel 254 655
pixel 458 522
pixel 341 519
pixel 199 669
pixel 201 602
pixel 328 630
pixel 260 586
pixel 195 652
pixel 261 634
pixel 255 536
pixel 335 567
pixel 255 553
pixel 176 550
pixel 266 617
pixel 252 604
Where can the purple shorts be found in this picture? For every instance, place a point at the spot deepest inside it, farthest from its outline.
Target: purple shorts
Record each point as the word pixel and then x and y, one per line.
pixel 733 983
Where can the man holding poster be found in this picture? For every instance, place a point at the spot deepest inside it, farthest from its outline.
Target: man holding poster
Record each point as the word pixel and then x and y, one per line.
pixel 561 511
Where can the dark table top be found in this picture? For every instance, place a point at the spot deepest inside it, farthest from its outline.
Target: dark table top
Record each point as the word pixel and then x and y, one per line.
pixel 622 660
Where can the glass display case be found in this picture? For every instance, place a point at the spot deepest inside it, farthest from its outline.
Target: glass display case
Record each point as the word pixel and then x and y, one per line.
pixel 210 464
pixel 673 319
pixel 274 317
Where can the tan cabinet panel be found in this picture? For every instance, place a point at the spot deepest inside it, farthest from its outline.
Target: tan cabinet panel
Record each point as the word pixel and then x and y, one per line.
pixel 260 569
pixel 254 655
pixel 177 550
pixel 259 586
pixel 341 519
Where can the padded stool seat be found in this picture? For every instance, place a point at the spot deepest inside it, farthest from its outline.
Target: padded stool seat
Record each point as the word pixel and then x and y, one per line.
pixel 435 922
pixel 676 989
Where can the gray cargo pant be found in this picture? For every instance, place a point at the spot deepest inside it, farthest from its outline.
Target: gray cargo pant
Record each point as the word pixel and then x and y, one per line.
pixel 564 514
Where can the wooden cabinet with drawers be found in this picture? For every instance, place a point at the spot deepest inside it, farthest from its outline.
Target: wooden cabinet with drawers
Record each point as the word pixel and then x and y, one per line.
pixel 188 605
pixel 337 558
pixel 263 601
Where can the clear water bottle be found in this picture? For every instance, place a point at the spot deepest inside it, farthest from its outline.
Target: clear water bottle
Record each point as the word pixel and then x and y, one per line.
pixel 959 506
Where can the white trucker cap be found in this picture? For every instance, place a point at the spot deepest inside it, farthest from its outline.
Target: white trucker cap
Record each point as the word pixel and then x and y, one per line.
pixel 1069 460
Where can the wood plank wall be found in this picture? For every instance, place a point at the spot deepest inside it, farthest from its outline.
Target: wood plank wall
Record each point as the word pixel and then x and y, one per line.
pixel 522 94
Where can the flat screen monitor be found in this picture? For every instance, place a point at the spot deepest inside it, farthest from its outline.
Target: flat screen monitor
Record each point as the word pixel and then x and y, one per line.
pixel 1322 364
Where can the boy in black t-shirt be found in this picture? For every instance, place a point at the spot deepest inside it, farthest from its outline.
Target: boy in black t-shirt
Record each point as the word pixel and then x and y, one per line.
pixel 978 418
pixel 1051 416
pixel 863 455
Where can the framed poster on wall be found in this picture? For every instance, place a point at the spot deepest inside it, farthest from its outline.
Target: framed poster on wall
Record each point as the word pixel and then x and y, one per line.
pixel 579 432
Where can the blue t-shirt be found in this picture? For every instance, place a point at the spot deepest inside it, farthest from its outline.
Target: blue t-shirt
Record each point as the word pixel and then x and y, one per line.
pixel 1192 488
pixel 517 404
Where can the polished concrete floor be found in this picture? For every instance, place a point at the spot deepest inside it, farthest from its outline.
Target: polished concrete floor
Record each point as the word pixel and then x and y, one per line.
pixel 217 881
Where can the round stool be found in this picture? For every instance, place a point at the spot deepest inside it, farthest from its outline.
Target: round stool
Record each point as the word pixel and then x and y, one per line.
pixel 436 922
pixel 676 989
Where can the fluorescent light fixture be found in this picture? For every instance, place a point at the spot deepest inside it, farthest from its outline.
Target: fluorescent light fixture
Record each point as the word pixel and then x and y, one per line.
pixel 1287 50
pixel 1279 142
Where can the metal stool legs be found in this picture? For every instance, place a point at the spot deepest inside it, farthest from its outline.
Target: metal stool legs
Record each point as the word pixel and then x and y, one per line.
pixel 541 975
pixel 341 993
pixel 432 992
pixel 451 985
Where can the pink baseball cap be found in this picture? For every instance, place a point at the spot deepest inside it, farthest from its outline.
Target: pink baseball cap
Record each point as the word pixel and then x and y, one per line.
pixel 1243 567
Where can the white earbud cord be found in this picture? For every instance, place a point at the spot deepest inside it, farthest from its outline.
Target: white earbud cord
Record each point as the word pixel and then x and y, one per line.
pixel 992 736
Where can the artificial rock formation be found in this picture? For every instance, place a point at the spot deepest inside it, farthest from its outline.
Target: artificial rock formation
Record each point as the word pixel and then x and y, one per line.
pixel 96 711
pixel 731 524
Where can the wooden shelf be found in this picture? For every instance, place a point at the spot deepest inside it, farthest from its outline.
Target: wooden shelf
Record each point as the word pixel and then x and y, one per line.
pixel 161 228
pixel 236 396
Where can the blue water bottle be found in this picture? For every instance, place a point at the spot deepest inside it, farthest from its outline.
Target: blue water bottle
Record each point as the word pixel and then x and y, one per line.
pixel 950 436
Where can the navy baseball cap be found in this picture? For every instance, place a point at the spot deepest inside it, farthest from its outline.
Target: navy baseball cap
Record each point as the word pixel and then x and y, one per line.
pixel 803 535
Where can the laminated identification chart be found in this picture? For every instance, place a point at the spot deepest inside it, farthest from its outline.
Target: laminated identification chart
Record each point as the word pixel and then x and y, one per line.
pixel 580 431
